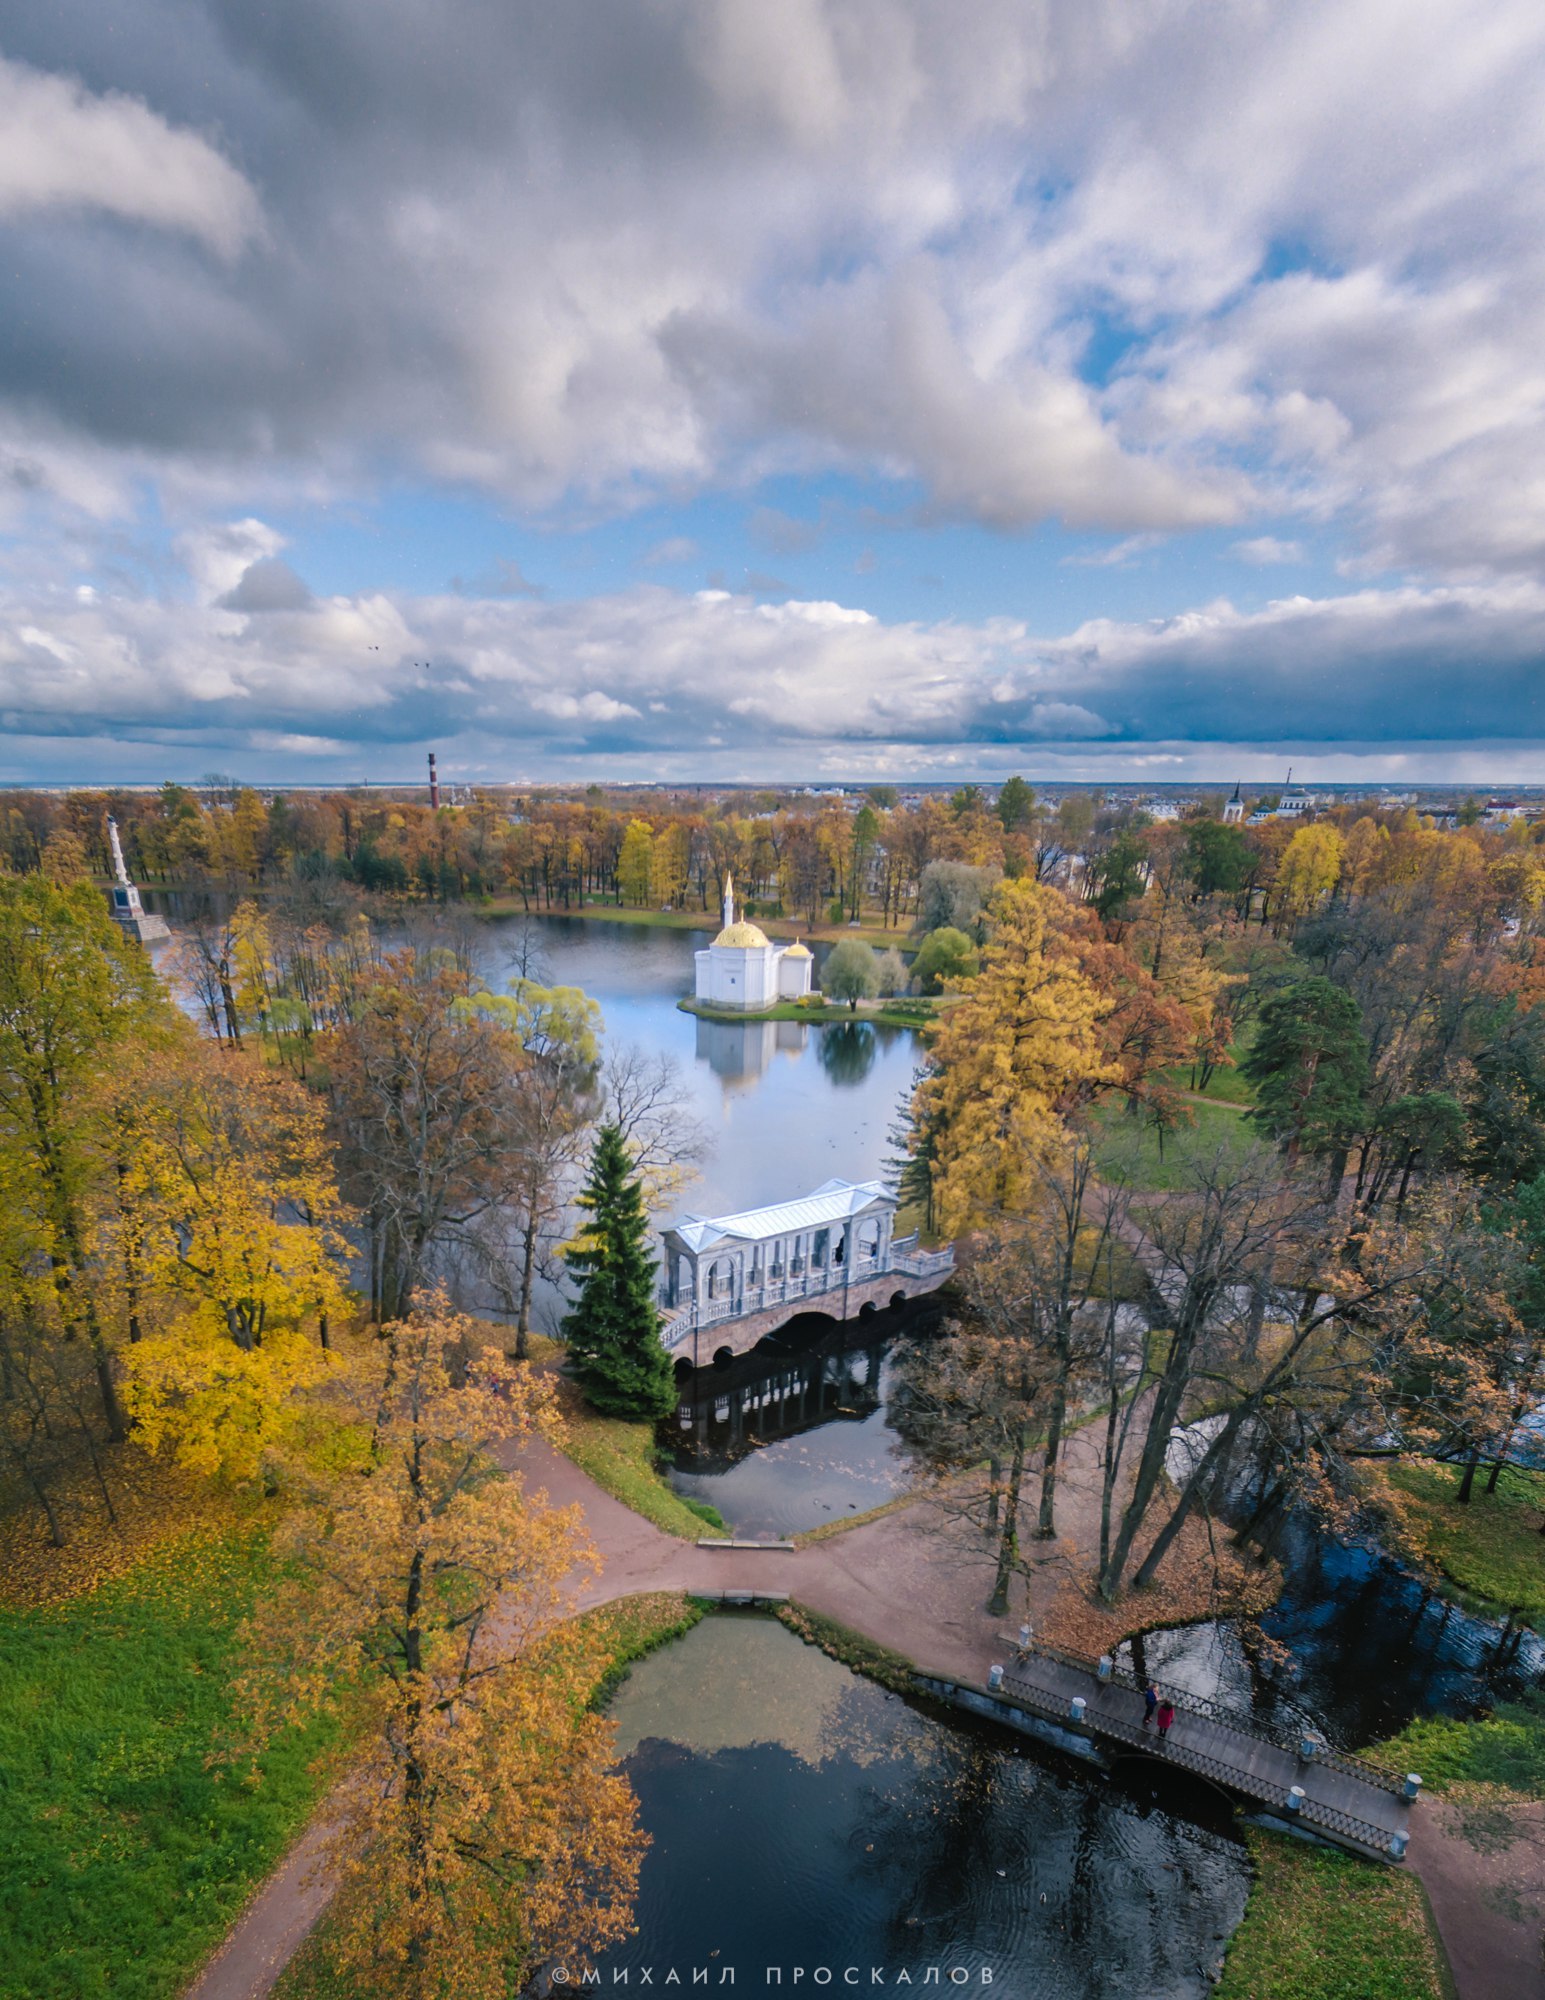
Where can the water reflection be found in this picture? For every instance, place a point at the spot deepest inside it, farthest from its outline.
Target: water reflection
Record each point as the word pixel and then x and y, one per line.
pixel 1369 1647
pixel 848 1050
pixel 765 1088
pixel 800 1430
pixel 742 1051
pixel 802 1817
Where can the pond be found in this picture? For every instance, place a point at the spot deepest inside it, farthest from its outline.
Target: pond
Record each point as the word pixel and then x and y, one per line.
pixel 803 1817
pixel 800 1431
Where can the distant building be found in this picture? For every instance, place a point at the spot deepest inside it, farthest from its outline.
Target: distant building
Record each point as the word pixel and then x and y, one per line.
pixel 743 969
pixel 1234 811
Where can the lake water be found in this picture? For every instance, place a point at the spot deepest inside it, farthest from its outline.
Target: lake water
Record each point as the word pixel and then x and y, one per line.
pixel 786 1104
pixel 802 1817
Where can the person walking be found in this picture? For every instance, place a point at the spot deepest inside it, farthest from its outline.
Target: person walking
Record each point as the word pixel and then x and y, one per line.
pixel 1150 1702
pixel 1166 1716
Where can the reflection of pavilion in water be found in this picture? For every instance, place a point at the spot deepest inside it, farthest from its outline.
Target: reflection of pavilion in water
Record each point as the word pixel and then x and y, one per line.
pixel 777 1391
pixel 741 1051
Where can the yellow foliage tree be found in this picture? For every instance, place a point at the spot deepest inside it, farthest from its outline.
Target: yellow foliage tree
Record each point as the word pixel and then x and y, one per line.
pixel 1007 1059
pixel 635 864
pixel 1309 870
pixel 481 1831
pixel 229 1206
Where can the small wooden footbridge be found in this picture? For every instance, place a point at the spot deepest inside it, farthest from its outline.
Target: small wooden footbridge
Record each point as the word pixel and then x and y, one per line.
pixel 1291 1776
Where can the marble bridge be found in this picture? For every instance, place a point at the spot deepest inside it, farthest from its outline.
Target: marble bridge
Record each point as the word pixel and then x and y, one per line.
pixel 729 1280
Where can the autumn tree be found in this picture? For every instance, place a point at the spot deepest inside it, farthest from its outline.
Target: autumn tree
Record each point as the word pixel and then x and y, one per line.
pixel 550 1110
pixel 229 1225
pixel 647 1098
pixel 1007 1059
pixel 76 997
pixel 479 1829
pixel 851 972
pixel 1308 871
pixel 613 1330
pixel 425 1096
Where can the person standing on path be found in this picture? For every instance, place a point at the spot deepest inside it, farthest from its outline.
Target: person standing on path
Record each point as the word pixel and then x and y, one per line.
pixel 1166 1717
pixel 1150 1702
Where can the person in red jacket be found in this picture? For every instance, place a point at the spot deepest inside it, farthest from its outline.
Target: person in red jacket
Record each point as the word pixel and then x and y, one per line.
pixel 1165 1717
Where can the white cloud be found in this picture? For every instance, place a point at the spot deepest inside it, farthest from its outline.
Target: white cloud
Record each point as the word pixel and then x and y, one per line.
pixel 62 148
pixel 652 674
pixel 1265 550
pixel 628 252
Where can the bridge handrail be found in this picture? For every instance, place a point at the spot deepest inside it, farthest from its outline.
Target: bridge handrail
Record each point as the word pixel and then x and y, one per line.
pixel 1382 1776
pixel 1053 1705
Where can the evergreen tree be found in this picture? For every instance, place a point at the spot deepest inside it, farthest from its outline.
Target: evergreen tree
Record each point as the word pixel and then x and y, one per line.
pixel 614 1330
pixel 1309 1065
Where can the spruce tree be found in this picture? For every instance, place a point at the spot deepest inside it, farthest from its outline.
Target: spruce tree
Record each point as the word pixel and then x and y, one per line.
pixel 614 1329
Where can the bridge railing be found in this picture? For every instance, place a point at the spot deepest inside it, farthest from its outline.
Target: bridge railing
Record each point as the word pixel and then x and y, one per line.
pixel 1383 1776
pixel 808 1284
pixel 1052 1704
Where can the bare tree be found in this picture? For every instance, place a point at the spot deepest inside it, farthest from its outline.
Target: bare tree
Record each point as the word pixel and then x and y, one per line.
pixel 648 1099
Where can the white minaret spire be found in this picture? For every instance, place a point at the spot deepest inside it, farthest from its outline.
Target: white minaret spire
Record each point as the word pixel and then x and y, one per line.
pixel 119 870
pixel 729 901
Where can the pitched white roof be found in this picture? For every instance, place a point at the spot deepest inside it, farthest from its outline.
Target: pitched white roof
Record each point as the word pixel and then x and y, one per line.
pixel 833 1201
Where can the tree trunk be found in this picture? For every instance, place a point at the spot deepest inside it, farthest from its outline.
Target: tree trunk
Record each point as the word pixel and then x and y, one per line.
pixel 1008 1538
pixel 523 1316
pixel 1218 1450
pixel 1045 1527
pixel 1467 1484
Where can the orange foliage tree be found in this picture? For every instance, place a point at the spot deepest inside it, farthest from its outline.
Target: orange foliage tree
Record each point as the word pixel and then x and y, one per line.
pixel 481 1832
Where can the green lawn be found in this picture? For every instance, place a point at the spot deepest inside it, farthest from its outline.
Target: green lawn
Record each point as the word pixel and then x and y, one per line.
pixel 1226 1085
pixel 1131 1144
pixel 1323 1926
pixel 1505 1748
pixel 622 1458
pixel 126 1859
pixel 1492 1548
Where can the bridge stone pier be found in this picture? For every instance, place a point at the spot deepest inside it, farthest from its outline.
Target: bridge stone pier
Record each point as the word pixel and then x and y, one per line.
pixel 729 1280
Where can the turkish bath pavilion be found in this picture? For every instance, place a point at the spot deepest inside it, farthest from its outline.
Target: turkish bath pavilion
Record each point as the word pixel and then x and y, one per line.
pixel 743 969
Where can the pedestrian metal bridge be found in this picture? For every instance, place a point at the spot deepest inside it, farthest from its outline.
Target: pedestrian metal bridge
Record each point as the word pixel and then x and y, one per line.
pixel 1294 1777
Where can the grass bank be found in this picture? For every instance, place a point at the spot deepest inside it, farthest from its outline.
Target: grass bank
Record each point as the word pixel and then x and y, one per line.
pixel 127 1857
pixel 852 1649
pixel 1490 1549
pixel 1503 1752
pixel 624 1631
pixel 1324 1926
pixel 909 1013
pixel 623 1459
pixel 699 920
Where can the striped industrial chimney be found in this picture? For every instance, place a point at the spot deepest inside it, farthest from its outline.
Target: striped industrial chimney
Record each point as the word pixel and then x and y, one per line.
pixel 434 784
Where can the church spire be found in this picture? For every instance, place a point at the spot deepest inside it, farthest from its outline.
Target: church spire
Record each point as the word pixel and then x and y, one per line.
pixel 729 901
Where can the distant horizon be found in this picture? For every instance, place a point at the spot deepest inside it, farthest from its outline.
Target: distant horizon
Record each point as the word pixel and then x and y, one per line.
pixel 449 780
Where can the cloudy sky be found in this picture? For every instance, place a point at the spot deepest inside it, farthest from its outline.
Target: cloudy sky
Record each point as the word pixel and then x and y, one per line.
pixel 753 388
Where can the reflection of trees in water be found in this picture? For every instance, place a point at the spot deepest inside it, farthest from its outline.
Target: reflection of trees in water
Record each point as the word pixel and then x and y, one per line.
pixel 1089 1869
pixel 847 1052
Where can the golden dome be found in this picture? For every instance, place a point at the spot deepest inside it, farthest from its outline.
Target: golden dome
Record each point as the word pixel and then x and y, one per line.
pixel 797 950
pixel 742 936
